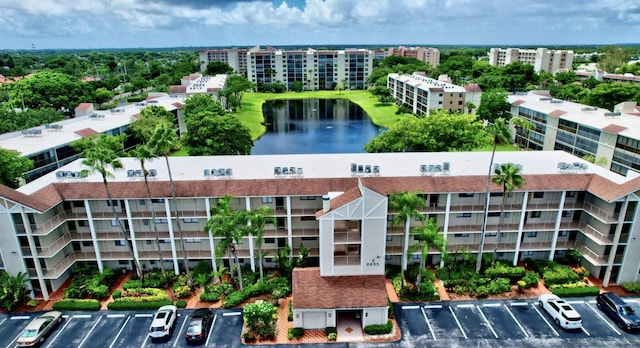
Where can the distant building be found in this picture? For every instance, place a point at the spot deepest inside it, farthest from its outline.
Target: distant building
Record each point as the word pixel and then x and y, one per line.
pixel 424 94
pixel 430 55
pixel 198 84
pixel 235 57
pixel 603 76
pixel 542 59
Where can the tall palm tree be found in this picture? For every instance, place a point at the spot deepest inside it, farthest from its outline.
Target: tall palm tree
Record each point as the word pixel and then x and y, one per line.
pixel 522 126
pixel 407 204
pixel 257 220
pixel 428 236
pixel 508 176
pixel 99 154
pixel 142 154
pixel 164 140
pixel 230 226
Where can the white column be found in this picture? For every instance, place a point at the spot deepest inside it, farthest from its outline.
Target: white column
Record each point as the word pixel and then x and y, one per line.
pixel 167 209
pixel 94 237
pixel 616 241
pixel 132 234
pixel 34 254
pixel 445 230
pixel 523 216
pixel 556 228
pixel 289 230
pixel 247 202
pixel 212 244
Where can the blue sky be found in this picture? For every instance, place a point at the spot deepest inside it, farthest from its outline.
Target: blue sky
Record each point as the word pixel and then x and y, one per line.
pixel 86 24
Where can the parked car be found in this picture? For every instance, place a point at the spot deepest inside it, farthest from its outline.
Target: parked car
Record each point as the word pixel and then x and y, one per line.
pixel 38 329
pixel 199 326
pixel 163 322
pixel 562 312
pixel 618 310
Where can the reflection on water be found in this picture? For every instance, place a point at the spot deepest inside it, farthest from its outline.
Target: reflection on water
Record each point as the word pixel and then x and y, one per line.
pixel 314 126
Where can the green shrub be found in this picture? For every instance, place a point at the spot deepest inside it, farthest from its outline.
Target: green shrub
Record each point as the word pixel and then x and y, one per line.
pixel 531 279
pixel 33 303
pixel 142 295
pixel 77 305
pixel 290 333
pixel 203 267
pixel 237 297
pixel 182 291
pixel 482 291
pixel 502 270
pixel 155 279
pixel 632 287
pixel 330 329
pixel 116 294
pixel 132 284
pixel 181 304
pixel 128 306
pixel 290 314
pixel 298 332
pixel 499 286
pixel 259 318
pixel 379 329
pixel 577 292
pixel 559 275
pixel 332 336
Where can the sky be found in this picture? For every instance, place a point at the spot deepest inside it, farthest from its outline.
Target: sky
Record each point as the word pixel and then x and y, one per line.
pixel 94 24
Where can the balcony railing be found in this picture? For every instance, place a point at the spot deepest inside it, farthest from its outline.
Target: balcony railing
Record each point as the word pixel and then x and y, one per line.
pixel 346 260
pixel 55 247
pixel 346 237
pixel 591 256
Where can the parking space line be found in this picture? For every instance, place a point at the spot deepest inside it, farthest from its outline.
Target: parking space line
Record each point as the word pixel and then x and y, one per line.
pixel 3 320
pixel 90 331
pixel 458 322
pixel 631 300
pixel 576 302
pixel 428 324
pixel 119 332
pixel 59 331
pixel 466 305
pixel 517 322
pixel 585 330
pixel 488 323
pixel 211 329
pixel 115 315
pixel 410 307
pixel 82 316
pixel 143 315
pixel 433 307
pixel 592 301
pixel 604 320
pixel 19 317
pixel 228 314
pixel 545 320
pixel 491 305
pixel 519 304
pixel 184 321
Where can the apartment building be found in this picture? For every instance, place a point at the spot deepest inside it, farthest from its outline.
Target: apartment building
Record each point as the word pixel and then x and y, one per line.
pixel 49 147
pixel 315 69
pixel 334 204
pixel 603 76
pixel 429 55
pixel 198 84
pixel 542 59
pixel 424 94
pixel 234 57
pixel 612 138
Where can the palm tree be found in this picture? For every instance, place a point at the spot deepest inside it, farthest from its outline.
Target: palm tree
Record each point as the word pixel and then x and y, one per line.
pixel 162 142
pixel 407 205
pixel 230 226
pixel 508 176
pixel 142 154
pixel 427 235
pixel 100 153
pixel 257 220
pixel 522 126
pixel 14 291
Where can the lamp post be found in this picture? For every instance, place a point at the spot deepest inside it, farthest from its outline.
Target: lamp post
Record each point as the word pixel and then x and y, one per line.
pixel 486 204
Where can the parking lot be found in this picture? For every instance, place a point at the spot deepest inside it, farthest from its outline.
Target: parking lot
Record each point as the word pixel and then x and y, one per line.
pixel 120 329
pixel 506 323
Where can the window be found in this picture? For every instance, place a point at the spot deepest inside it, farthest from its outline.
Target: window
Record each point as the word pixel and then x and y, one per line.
pixel 424 216
pixel 462 195
pixel 307 198
pixel 536 214
pixel 309 238
pixel 538 195
pixel 389 238
pixel 160 221
pixel 307 218
pixel 532 234
pixel 87 243
pixel 193 240
pixel 142 202
pixel 390 217
pixel 269 240
pixel 527 253
pixel 83 223
pixel 416 256
pixel 157 200
pixel 491 234
pixel 566 213
pixel 145 222
pixel 494 214
pixel 267 200
pixel 387 257
pixel 563 233
pixel 115 222
pixel 78 204
pixel 463 215
pixel 120 243
pixel 459 235
pixel 571 193
pixel 191 220
pixel 496 194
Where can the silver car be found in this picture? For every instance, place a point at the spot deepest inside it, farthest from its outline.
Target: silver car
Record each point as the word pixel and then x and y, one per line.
pixel 38 329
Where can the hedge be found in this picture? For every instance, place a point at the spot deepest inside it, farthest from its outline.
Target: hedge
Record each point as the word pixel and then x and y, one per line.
pixel 181 304
pixel 631 287
pixel 127 306
pixel 379 329
pixel 577 292
pixel 77 305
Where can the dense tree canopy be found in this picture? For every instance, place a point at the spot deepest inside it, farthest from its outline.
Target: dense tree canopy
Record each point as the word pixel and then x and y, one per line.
pixel 210 134
pixel 216 67
pixel 238 85
pixel 614 57
pixel 493 104
pixel 202 102
pixel 150 117
pixel 13 167
pixel 11 121
pixel 48 89
pixel 440 131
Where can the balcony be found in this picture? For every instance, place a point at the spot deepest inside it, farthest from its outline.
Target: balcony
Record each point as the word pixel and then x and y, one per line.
pixel 68 261
pixel 346 260
pixel 591 256
pixel 55 247
pixel 349 236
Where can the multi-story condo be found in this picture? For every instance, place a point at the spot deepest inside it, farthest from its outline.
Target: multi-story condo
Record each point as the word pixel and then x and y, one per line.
pixel 198 84
pixel 334 204
pixel 235 57
pixel 424 94
pixel 429 54
pixel 611 138
pixel 601 75
pixel 49 147
pixel 542 59
pixel 315 69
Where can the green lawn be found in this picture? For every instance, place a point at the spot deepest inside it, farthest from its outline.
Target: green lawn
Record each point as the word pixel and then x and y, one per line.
pixel 381 114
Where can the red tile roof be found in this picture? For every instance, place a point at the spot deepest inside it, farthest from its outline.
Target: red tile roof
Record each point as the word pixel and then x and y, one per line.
pixel 310 290
pixel 86 132
pixel 614 128
pixel 84 106
pixel 518 102
pixel 557 113
pixel 472 87
pixel 178 89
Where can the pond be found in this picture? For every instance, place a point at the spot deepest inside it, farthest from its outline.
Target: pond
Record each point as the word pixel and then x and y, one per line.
pixel 314 126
